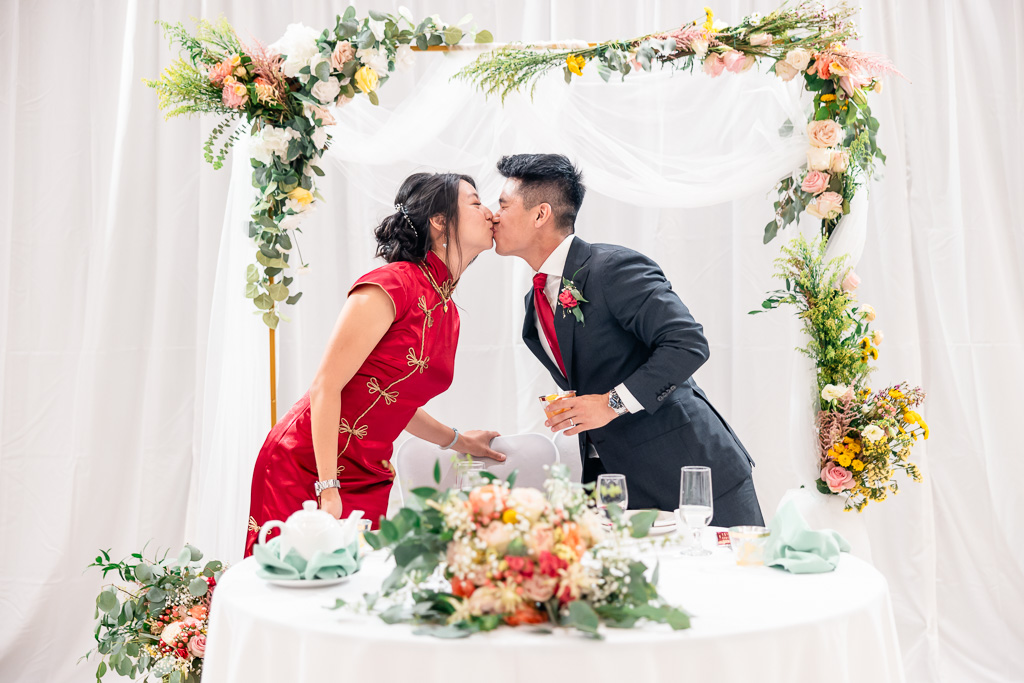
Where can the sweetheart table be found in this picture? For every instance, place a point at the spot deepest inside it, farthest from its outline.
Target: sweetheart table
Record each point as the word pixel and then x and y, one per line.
pixel 748 624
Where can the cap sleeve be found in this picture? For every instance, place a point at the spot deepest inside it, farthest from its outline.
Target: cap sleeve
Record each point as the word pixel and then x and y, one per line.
pixel 395 284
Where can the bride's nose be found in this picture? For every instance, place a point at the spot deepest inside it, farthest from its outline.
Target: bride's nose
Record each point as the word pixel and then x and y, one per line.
pixel 488 214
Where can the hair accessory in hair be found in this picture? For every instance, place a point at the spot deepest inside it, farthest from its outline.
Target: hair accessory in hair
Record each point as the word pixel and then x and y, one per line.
pixel 401 207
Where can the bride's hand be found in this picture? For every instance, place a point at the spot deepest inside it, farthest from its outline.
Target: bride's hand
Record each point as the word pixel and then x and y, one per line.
pixel 330 501
pixel 477 443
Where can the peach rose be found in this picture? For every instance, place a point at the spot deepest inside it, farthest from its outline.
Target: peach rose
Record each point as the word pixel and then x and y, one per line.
pixel 713 65
pixel 828 205
pixel 798 58
pixel 867 311
pixel 496 535
pixel 234 94
pixel 760 39
pixel 218 72
pixel 836 478
pixel 877 337
pixel 342 54
pixel 815 182
pixel 733 61
pixel 170 633
pixel 851 281
pixel 784 71
pixel 840 161
pixel 821 65
pixel 818 159
pixel 539 587
pixel 197 646
pixel 540 538
pixel 825 133
pixel 487 500
pixel 530 503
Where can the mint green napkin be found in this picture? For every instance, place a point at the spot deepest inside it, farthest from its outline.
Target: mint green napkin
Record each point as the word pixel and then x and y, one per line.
pixel 797 548
pixel 341 562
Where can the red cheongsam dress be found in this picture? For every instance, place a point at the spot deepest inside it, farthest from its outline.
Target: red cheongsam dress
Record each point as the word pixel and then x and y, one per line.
pixel 412 363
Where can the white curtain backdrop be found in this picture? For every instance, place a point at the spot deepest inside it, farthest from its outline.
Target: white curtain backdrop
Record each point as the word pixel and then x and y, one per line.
pixel 133 374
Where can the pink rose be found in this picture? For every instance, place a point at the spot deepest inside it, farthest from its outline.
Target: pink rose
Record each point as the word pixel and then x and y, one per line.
pixel 540 538
pixel 840 161
pixel 343 53
pixel 234 94
pixel 828 205
pixel 826 133
pixel 713 65
pixel 819 158
pixel 197 645
pixel 784 71
pixel 485 501
pixel 851 281
pixel 760 39
pixel 815 182
pixel 496 535
pixel 218 72
pixel 567 299
pixel 323 114
pixel 733 61
pixel 539 587
pixel 836 478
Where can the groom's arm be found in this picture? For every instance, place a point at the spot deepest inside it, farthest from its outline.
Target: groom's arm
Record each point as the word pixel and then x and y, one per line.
pixel 642 301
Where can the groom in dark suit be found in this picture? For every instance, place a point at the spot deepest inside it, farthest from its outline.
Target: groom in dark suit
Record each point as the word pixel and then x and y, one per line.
pixel 604 321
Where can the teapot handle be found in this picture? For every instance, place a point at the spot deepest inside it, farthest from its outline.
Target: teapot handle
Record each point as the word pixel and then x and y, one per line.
pixel 267 527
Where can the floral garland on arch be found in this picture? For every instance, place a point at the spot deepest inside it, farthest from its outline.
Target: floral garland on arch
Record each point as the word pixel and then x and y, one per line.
pixel 805 39
pixel 864 436
pixel 284 91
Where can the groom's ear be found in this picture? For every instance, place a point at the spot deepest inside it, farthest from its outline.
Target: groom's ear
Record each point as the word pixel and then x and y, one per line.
pixel 543 215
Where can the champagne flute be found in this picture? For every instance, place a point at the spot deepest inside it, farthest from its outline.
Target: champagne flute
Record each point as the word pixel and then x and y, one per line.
pixel 611 488
pixel 696 506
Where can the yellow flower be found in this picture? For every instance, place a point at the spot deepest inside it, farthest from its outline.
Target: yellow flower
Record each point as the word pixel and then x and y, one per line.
pixel 828 98
pixel 367 79
pixel 895 393
pixel 709 20
pixel 509 516
pixel 911 417
pixel 301 195
pixel 576 64
pixel 865 343
pixel 234 60
pixel 845 460
pixel 858 465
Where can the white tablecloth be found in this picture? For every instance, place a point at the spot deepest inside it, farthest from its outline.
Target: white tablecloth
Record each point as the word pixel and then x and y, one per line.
pixel 749 624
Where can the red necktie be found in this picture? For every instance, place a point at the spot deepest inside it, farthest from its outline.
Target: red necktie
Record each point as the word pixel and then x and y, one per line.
pixel 547 318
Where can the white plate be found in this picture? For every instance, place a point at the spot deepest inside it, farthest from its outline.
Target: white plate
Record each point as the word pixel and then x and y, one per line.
pixel 312 583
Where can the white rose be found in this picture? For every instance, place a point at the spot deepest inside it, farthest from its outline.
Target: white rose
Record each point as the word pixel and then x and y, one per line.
pixel 872 433
pixel 404 57
pixel 375 59
pixel 298 44
pixel 867 311
pixel 170 632
pixel 293 220
pixel 785 71
pixel 699 47
pixel 798 58
pixel 271 141
pixel 818 158
pixel 877 337
pixel 832 392
pixel 319 137
pixel 297 207
pixel 530 503
pixel 377 29
pixel 326 91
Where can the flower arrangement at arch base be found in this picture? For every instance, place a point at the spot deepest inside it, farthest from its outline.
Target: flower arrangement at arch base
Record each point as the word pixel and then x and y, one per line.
pixel 864 436
pixel 517 556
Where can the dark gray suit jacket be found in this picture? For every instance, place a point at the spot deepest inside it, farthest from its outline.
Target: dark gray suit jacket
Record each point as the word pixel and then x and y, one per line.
pixel 638 332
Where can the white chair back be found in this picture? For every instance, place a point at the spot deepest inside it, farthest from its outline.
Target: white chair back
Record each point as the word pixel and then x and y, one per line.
pixel 529 453
pixel 568 448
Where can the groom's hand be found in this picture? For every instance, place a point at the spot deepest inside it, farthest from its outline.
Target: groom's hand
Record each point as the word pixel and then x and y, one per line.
pixel 582 413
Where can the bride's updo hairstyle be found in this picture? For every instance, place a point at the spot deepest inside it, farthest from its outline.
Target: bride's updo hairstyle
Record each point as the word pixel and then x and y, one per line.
pixel 405 234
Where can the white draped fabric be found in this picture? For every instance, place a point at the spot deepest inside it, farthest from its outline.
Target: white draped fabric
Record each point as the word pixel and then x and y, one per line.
pixel 133 373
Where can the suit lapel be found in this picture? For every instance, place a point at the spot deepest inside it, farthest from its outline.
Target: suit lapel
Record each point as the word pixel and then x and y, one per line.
pixel 532 340
pixel 565 321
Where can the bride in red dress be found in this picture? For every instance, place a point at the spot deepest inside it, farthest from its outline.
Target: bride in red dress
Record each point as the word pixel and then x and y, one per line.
pixel 391 351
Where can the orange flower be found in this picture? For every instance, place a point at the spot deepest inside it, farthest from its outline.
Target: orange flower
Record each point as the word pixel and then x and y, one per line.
pixel 527 614
pixel 462 588
pixel 571 539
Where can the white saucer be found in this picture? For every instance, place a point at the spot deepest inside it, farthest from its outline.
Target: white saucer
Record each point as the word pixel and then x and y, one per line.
pixel 312 583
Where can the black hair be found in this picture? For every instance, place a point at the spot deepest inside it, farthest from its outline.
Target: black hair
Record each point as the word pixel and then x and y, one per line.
pixel 405 234
pixel 549 178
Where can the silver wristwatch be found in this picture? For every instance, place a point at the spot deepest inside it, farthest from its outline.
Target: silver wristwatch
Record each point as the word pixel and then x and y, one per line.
pixel 321 486
pixel 616 404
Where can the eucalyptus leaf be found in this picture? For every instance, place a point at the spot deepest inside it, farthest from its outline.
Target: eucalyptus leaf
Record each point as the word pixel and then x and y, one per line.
pixel 452 35
pixel 198 587
pixel 483 37
pixel 323 71
pixel 270 319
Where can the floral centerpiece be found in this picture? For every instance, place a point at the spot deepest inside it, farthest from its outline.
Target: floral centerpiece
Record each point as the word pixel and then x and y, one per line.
pixel 864 436
pixel 804 39
pixel 286 92
pixel 518 556
pixel 152 623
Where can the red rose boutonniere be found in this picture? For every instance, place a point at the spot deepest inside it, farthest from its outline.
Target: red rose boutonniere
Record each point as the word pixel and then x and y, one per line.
pixel 570 299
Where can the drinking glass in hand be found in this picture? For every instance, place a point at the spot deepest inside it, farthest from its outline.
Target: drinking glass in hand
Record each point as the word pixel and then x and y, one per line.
pixel 696 506
pixel 611 488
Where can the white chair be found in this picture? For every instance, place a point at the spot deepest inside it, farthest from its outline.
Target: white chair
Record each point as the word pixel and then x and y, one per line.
pixel 568 448
pixel 529 453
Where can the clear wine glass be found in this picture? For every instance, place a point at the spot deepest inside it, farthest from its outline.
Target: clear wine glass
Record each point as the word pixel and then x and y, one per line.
pixel 611 488
pixel 696 506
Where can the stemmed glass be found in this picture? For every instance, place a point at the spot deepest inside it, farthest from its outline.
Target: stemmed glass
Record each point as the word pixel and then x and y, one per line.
pixel 611 488
pixel 696 506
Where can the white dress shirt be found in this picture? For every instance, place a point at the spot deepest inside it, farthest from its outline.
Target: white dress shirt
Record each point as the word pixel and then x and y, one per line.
pixel 553 267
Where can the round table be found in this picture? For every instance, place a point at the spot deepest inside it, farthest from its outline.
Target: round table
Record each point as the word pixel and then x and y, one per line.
pixel 748 624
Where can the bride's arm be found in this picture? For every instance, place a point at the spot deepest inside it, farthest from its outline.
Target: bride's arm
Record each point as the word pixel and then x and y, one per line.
pixel 475 442
pixel 366 316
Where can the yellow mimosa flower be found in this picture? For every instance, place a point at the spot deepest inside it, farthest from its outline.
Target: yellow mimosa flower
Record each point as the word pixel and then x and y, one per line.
pixel 576 64
pixel 709 19
pixel 366 79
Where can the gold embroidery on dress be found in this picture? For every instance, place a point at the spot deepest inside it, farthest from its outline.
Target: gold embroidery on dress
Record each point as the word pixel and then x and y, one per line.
pixel 444 290
pixel 389 396
pixel 253 526
pixel 346 428
pixel 341 468
pixel 391 468
pixel 427 312
pixel 415 362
